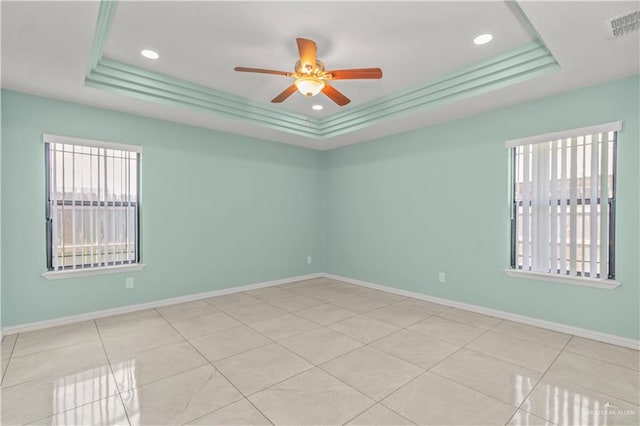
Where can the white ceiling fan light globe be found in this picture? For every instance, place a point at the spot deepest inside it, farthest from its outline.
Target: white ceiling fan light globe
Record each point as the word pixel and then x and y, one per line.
pixel 309 86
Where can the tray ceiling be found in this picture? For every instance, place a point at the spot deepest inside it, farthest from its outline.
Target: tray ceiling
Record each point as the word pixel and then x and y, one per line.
pixel 432 70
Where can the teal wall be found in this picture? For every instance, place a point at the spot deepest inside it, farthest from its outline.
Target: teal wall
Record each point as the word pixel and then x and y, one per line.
pixel 218 210
pixel 223 210
pixel 402 208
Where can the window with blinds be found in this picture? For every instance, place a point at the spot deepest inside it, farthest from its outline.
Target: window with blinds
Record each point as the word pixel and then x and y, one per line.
pixel 563 212
pixel 93 206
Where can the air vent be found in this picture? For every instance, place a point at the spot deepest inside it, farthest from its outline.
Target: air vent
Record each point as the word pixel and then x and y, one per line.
pixel 621 25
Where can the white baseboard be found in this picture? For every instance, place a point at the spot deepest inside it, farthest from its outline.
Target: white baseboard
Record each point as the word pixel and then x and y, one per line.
pixel 536 322
pixel 21 328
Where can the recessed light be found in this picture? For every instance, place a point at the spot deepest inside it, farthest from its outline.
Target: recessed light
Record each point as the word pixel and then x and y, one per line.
pixel 149 54
pixel 483 39
pixel 317 107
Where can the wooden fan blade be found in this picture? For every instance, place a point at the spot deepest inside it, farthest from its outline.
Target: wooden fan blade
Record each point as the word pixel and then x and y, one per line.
pixel 285 94
pixel 335 95
pixel 307 49
pixel 358 73
pixel 262 71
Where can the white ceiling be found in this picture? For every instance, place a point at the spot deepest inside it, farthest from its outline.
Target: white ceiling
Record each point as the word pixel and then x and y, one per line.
pixel 46 48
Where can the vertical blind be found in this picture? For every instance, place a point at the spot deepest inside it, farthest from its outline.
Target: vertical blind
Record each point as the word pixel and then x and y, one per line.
pixel 92 203
pixel 564 202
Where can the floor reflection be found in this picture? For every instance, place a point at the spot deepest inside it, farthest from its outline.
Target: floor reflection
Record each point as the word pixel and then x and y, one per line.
pixel 569 406
pixel 83 398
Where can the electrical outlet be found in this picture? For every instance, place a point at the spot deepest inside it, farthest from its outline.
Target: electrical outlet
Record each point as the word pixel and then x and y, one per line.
pixel 442 277
pixel 309 259
pixel 128 282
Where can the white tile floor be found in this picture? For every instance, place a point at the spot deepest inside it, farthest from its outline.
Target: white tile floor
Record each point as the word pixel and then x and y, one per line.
pixel 316 352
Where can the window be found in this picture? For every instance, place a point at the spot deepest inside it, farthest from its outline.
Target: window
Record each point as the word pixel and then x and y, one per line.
pixel 93 206
pixel 563 203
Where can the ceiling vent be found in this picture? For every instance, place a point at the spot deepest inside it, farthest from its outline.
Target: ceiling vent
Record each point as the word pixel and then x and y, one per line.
pixel 624 24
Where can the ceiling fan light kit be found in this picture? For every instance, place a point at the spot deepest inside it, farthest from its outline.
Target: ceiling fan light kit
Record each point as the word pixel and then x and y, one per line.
pixel 311 78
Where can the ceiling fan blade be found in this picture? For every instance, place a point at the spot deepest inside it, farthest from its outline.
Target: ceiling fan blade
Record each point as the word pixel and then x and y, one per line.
pixel 262 71
pixel 335 95
pixel 285 94
pixel 358 73
pixel 307 49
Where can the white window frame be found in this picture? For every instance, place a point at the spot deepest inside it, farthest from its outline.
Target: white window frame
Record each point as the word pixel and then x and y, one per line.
pixel 60 273
pixel 603 283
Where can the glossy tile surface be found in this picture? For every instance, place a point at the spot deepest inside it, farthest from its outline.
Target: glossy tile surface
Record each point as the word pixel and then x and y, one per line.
pixel 261 367
pixel 422 306
pixel 534 334
pixel 470 318
pixel 397 315
pixel 204 324
pixel 326 314
pixel 55 337
pixel 320 345
pixel 619 382
pixel 186 310
pixel 59 362
pixel 416 348
pixel 565 403
pixel 224 344
pixel 447 330
pixel 118 324
pixel 179 399
pixel 526 353
pixel 129 342
pixel 284 326
pixel 522 418
pixel 507 382
pixel 256 312
pixel 7 345
pixel 295 302
pixel 241 413
pixel 372 372
pixel 311 398
pixel 33 400
pixel 623 357
pixel 359 304
pixel 434 400
pixel 314 352
pixel 154 364
pixel 108 411
pixel 232 301
pixel 379 415
pixel 363 328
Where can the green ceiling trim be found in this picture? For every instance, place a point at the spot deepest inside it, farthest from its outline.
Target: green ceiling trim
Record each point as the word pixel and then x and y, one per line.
pixel 105 18
pixel 125 79
pixel 520 64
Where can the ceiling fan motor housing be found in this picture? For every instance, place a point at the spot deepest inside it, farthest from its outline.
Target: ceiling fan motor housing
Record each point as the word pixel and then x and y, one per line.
pixel 303 70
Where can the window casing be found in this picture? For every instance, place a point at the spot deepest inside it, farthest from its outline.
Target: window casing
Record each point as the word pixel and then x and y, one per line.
pixel 563 203
pixel 92 204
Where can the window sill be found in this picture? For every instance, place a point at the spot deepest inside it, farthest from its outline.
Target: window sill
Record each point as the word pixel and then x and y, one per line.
pixel 579 281
pixel 74 273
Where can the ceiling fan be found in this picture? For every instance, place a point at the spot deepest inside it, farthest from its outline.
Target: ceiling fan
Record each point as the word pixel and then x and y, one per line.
pixel 311 77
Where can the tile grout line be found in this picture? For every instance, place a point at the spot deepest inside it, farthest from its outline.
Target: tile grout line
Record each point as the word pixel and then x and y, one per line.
pixel 219 372
pixel 104 349
pixel 362 344
pixel 538 383
pixel 13 347
pixel 564 349
pixel 313 366
pixel 375 348
pixel 427 370
pixel 389 354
